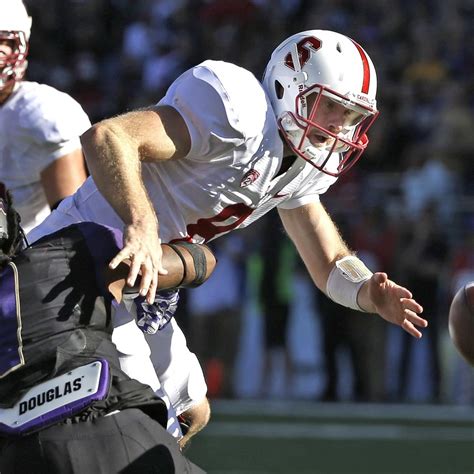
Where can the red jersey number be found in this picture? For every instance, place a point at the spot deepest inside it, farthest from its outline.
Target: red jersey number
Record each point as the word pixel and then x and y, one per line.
pixel 209 227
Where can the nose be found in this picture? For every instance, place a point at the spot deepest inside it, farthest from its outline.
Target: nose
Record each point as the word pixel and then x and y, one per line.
pixel 335 122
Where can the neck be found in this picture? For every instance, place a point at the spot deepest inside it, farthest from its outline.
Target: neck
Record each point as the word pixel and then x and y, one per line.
pixel 289 157
pixel 6 92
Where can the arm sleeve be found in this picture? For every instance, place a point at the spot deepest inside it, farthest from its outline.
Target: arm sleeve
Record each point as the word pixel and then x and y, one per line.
pixel 310 191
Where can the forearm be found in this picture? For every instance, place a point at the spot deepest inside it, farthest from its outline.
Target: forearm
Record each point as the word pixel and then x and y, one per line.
pixel 115 148
pixel 317 240
pixel 113 160
pixel 332 266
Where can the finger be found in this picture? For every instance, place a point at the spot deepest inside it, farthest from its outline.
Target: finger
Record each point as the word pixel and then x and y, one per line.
pixel 415 319
pixel 162 270
pixel 124 254
pixel 158 264
pixel 380 278
pixel 149 273
pixel 145 282
pixel 152 291
pixel 404 293
pixel 411 304
pixel 410 329
pixel 135 267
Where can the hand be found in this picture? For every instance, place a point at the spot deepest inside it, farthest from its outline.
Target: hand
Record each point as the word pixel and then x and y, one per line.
pixel 394 303
pixel 154 317
pixel 141 246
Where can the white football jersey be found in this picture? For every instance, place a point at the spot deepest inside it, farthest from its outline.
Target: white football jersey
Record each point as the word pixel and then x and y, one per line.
pixel 227 180
pixel 38 124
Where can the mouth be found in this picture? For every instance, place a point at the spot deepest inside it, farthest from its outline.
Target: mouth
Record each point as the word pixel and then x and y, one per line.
pixel 320 140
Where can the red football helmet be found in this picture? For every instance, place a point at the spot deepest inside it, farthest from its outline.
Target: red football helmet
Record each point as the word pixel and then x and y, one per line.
pixel 311 74
pixel 15 27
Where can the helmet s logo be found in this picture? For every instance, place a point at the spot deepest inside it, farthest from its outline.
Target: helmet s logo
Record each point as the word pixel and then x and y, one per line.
pixel 304 47
pixel 250 177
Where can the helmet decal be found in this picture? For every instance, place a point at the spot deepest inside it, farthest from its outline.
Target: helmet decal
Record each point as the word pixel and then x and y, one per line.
pixel 304 48
pixel 250 177
pixel 365 65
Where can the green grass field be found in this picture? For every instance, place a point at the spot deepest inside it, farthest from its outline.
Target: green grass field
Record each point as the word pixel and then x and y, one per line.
pixel 257 437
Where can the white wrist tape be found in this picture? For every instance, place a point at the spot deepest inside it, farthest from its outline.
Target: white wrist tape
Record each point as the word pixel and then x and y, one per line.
pixel 345 280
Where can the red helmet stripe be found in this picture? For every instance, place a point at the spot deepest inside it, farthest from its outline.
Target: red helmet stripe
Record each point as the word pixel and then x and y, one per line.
pixel 365 65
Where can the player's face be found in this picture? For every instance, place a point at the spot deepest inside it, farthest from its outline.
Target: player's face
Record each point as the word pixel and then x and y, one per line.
pixel 332 116
pixel 6 49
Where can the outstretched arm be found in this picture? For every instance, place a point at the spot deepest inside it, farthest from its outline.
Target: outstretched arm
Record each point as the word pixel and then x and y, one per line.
pixel 114 150
pixel 321 246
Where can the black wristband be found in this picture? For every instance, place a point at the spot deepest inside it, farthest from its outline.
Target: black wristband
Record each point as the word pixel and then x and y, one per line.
pixel 183 261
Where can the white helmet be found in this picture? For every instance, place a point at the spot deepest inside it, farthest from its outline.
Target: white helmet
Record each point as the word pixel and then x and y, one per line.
pixel 315 67
pixel 15 27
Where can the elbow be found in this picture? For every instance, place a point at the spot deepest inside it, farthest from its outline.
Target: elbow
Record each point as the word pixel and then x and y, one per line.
pixel 90 135
pixel 90 141
pixel 193 421
pixel 203 413
pixel 94 141
pixel 198 415
pixel 95 136
pixel 207 412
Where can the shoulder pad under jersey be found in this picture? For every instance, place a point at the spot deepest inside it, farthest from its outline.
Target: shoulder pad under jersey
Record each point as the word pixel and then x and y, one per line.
pixel 48 115
pixel 242 94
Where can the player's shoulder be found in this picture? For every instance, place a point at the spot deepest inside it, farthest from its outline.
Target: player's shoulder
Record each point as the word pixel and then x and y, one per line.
pixel 236 83
pixel 229 74
pixel 43 99
pixel 239 90
pixel 53 114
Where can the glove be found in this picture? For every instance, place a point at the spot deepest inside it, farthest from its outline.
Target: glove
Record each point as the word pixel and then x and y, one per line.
pixel 154 317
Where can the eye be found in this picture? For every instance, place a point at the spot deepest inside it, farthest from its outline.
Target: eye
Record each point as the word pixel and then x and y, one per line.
pixel 352 117
pixel 330 105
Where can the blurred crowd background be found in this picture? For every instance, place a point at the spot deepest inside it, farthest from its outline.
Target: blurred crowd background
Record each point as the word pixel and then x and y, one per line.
pixel 407 207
